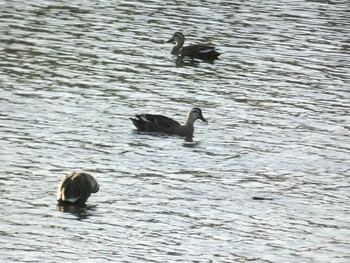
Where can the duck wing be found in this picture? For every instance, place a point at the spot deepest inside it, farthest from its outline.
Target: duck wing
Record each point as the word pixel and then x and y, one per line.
pixel 201 51
pixel 154 123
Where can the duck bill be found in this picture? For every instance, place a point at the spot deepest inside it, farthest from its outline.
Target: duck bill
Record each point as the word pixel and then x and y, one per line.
pixel 171 40
pixel 203 120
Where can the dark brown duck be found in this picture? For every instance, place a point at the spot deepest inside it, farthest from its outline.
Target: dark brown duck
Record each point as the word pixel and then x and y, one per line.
pixel 76 188
pixel 200 51
pixel 163 124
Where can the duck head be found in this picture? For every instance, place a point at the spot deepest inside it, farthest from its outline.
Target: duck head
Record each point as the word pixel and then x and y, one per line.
pixel 198 114
pixel 195 114
pixel 178 38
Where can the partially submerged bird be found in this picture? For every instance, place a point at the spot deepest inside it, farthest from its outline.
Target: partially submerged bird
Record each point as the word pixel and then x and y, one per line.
pixel 76 188
pixel 163 124
pixel 200 51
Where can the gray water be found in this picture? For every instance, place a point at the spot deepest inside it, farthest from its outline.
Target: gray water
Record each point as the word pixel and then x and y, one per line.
pixel 72 73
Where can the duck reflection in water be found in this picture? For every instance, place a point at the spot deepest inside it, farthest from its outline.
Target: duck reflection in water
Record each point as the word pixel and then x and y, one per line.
pixel 189 62
pixel 182 62
pixel 79 211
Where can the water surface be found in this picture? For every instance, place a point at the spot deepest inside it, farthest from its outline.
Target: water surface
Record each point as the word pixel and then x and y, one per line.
pixel 277 102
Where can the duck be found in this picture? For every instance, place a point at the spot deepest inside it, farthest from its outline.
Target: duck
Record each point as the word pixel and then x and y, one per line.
pixel 76 188
pixel 199 51
pixel 163 124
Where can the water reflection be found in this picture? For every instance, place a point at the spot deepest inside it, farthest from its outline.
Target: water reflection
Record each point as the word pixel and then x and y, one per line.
pixel 191 62
pixel 80 212
pixel 260 198
pixel 189 142
pixel 182 62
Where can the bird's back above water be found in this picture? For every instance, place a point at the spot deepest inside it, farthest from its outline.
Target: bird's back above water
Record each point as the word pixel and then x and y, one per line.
pixel 76 188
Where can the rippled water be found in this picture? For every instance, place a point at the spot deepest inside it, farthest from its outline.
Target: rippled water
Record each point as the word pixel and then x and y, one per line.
pixel 277 101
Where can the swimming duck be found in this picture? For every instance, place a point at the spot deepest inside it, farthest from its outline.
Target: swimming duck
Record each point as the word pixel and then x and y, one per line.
pixel 76 188
pixel 163 124
pixel 200 51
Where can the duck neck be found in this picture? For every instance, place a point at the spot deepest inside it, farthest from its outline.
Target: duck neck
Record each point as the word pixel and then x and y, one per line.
pixel 190 119
pixel 178 44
